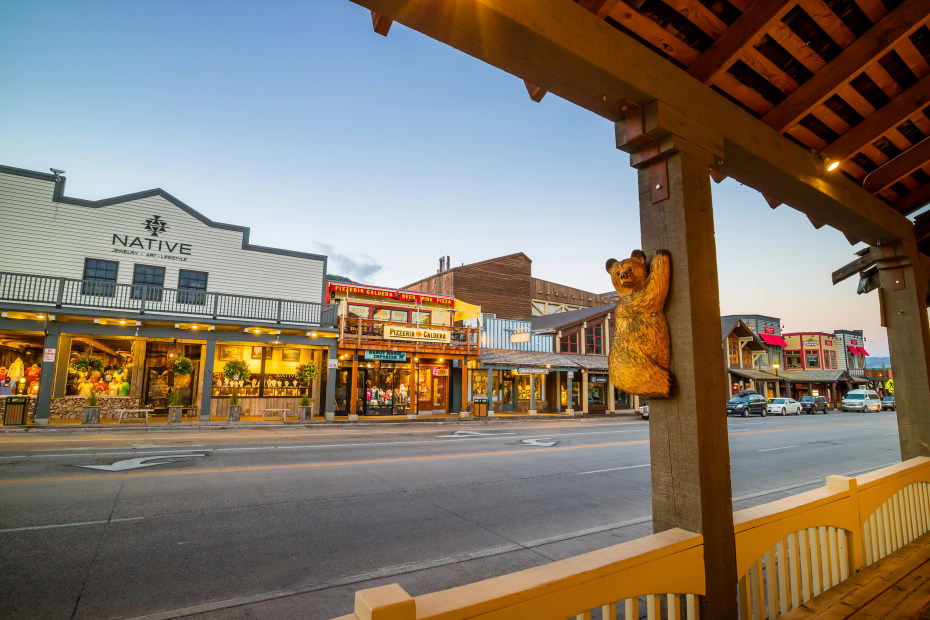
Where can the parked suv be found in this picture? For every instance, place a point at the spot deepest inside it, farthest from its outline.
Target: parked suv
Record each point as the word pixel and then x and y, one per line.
pixel 888 403
pixel 861 400
pixel 813 404
pixel 745 404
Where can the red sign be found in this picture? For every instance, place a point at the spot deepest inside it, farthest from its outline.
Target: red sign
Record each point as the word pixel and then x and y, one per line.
pixel 828 343
pixel 853 341
pixel 390 293
pixel 769 330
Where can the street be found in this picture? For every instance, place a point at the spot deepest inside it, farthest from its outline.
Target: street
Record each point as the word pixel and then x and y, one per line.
pixel 292 520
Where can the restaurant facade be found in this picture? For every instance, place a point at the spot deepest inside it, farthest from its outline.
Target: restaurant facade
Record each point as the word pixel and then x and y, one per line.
pixel 401 352
pixel 139 299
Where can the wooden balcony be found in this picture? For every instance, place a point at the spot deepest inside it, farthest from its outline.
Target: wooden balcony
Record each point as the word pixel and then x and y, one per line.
pixel 91 297
pixel 359 333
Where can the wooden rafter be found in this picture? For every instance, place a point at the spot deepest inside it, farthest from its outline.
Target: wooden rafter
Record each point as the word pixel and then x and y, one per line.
pixel 913 201
pixel 742 34
pixel 902 165
pixel 904 20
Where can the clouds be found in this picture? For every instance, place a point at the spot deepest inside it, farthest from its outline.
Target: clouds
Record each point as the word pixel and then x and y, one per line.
pixel 360 268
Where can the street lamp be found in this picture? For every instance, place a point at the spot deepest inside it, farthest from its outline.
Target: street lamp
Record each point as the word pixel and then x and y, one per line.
pixel 775 366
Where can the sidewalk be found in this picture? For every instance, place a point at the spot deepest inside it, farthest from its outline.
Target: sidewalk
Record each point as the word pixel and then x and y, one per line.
pixel 160 423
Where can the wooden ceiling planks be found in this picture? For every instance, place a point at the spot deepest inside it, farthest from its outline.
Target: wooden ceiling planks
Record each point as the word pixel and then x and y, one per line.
pixel 858 101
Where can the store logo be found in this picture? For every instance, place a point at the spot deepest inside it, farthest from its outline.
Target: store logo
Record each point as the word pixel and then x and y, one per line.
pixel 155 225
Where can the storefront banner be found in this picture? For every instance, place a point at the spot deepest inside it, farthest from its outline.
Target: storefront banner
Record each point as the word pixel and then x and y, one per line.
pixel 532 371
pixel 391 294
pixel 520 336
pixel 386 356
pixel 598 378
pixel 332 363
pixel 810 343
pixel 419 334
pixel 440 372
pixel 769 330
pixel 48 355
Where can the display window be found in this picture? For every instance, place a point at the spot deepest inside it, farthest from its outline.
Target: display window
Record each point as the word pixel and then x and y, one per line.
pixel 104 366
pixel 576 393
pixel 272 370
pixel 813 358
pixel 792 359
pixel 358 311
pixel 597 391
pixel 479 383
pixel 422 318
pixel 20 364
pixel 523 387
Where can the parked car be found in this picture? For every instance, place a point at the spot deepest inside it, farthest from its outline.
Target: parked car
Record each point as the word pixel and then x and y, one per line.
pixel 745 404
pixel 644 411
pixel 783 406
pixel 861 400
pixel 813 404
pixel 888 403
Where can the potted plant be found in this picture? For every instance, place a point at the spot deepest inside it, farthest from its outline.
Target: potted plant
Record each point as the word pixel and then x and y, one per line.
pixel 175 409
pixel 91 409
pixel 304 411
pixel 182 367
pixel 305 374
pixel 87 363
pixel 237 371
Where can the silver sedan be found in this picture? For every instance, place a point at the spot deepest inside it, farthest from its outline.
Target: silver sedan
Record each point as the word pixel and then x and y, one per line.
pixel 783 406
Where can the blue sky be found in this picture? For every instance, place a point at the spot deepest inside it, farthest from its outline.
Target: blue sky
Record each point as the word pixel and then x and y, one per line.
pixel 295 119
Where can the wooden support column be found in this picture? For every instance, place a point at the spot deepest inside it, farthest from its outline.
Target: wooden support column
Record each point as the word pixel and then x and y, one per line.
pixel 904 314
pixel 532 410
pixel 688 435
pixel 463 410
pixel 584 393
pixel 353 391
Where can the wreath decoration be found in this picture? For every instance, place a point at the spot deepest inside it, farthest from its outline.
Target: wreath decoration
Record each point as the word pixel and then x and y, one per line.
pixel 236 370
pixel 307 372
pixel 85 363
pixel 181 365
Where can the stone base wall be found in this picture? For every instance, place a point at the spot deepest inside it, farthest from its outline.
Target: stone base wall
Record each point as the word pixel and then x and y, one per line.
pixel 72 407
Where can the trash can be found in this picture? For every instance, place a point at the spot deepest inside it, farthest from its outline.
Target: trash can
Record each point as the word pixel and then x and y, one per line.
pixel 14 410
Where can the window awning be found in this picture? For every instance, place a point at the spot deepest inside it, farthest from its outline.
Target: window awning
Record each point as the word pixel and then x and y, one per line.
pixel 778 341
pixel 863 351
pixel 854 350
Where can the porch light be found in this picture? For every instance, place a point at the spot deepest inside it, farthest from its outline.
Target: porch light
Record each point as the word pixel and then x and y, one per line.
pixel 832 164
pixel 257 331
pixel 193 327
pixel 40 316
pixel 313 334
pixel 122 322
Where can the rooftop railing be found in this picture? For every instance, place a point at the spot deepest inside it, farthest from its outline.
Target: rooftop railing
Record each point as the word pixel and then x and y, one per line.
pixel 64 293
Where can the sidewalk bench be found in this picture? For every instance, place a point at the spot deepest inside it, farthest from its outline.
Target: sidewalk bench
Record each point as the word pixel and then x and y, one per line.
pixel 283 413
pixel 122 412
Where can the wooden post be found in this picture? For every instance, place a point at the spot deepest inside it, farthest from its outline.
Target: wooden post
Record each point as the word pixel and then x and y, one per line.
pixel 569 410
pixel 903 302
pixel 353 393
pixel 688 433
pixel 489 409
pixel 532 410
pixel 463 410
pixel 412 391
pixel 584 393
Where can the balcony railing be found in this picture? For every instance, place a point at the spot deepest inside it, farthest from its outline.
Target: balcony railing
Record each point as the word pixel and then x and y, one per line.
pixel 147 299
pixel 354 331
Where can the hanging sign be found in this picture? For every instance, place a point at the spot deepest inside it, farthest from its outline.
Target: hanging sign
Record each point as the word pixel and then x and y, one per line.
pixel 386 356
pixel 854 342
pixel 532 371
pixel 520 336
pixel 598 378
pixel 440 372
pixel 421 334
pixel 48 355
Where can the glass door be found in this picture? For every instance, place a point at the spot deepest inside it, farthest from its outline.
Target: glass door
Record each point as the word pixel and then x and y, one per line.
pixel 439 394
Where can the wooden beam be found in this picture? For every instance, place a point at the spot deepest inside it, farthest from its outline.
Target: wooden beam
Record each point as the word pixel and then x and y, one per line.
pixel 913 201
pixel 771 202
pixel 850 269
pixel 922 227
pixel 380 23
pixel 902 165
pixel 815 223
pixel 536 93
pixel 904 20
pixel 881 122
pixel 599 7
pixel 565 50
pixel 743 33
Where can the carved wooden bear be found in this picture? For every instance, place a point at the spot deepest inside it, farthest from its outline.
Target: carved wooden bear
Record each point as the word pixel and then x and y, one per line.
pixel 640 350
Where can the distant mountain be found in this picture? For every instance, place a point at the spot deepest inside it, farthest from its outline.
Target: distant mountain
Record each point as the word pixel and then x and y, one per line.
pixel 878 362
pixel 335 278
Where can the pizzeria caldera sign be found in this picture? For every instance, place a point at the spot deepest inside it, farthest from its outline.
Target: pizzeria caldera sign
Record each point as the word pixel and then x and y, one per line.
pixel 416 333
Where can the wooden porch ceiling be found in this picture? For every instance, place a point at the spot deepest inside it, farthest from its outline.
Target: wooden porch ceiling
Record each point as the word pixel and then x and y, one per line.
pixel 778 87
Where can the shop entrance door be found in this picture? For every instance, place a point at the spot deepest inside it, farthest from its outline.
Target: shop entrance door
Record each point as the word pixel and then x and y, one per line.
pixel 508 395
pixel 439 394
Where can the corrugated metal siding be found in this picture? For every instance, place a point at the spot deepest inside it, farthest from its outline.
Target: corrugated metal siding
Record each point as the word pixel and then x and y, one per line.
pixel 38 236
pixel 495 334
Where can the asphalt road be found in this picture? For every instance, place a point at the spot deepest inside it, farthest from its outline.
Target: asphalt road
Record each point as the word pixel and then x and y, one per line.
pixel 291 521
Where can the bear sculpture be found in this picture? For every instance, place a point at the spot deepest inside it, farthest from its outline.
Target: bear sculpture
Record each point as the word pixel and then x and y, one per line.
pixel 640 352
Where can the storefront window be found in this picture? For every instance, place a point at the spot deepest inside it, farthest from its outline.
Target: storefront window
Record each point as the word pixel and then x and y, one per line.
pixel 792 359
pixel 20 364
pixel 597 390
pixel 479 384
pixel 117 360
pixel 569 343
pixel 523 387
pixel 358 311
pixel 812 358
pixel 422 318
pixel 273 370
pixel 594 339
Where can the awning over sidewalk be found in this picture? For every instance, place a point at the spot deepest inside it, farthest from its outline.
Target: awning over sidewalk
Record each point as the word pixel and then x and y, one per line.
pixel 777 341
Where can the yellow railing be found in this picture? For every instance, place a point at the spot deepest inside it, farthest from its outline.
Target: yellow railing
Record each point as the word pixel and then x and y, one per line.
pixel 787 552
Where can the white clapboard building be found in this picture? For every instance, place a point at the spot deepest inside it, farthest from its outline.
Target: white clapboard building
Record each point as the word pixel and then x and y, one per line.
pixel 130 284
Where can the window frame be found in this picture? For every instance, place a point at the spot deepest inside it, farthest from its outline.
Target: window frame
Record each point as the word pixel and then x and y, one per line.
pixel 95 285
pixel 571 339
pixel 594 342
pixel 153 292
pixel 192 295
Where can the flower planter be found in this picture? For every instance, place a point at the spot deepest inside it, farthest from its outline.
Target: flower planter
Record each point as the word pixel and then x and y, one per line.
pixel 330 416
pixel 304 413
pixel 174 414
pixel 91 415
pixel 235 413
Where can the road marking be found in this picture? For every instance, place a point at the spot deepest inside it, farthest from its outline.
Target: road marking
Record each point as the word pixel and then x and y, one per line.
pixel 144 461
pixel 779 448
pixel 600 471
pixel 539 442
pixel 77 524
pixel 477 433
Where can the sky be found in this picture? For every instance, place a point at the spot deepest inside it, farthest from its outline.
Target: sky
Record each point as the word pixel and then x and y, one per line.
pixel 295 119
